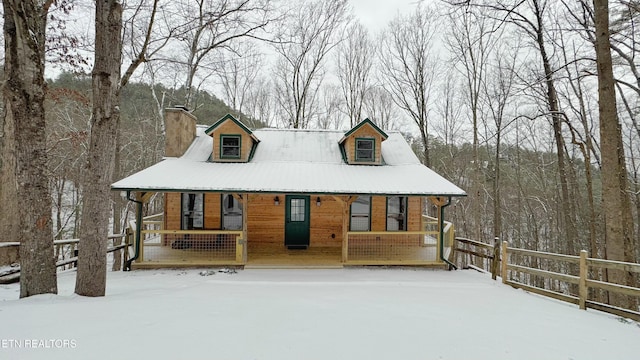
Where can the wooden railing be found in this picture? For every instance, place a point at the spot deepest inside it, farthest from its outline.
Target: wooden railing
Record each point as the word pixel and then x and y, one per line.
pixel 561 284
pixel 469 252
pixel 66 254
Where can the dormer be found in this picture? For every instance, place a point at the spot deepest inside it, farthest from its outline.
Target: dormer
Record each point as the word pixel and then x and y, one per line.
pixel 362 145
pixel 232 140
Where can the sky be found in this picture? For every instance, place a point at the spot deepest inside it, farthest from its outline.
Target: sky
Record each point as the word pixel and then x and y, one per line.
pixel 375 14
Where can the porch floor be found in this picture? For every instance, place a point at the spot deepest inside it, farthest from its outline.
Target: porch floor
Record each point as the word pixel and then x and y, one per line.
pixel 278 256
pixel 271 255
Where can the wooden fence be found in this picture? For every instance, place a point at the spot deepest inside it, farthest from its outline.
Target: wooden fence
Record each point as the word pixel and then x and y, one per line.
pixel 66 254
pixel 562 277
pixel 468 253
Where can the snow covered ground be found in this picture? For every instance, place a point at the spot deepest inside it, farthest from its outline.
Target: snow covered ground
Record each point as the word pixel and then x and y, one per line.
pixel 359 313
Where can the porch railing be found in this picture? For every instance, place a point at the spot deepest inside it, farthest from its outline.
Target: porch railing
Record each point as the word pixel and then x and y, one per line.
pixel 399 247
pixel 188 247
pixel 191 247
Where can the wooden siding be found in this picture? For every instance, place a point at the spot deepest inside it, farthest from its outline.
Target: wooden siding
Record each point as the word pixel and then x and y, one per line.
pixel 366 131
pixel 172 208
pixel 265 220
pixel 231 128
pixel 326 222
pixel 378 213
pixel 212 211
pixel 414 214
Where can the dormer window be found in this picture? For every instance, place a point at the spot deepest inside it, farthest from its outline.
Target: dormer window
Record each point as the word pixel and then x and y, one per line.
pixel 362 145
pixel 365 149
pixel 230 146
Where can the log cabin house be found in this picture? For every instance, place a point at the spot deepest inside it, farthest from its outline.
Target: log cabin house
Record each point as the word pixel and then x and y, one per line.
pixel 288 197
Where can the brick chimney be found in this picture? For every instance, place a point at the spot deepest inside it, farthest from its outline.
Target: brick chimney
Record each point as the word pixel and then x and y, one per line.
pixel 180 130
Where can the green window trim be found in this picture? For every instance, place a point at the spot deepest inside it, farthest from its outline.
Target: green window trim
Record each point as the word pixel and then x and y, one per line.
pixel 403 218
pixel 224 137
pixel 363 141
pixel 369 216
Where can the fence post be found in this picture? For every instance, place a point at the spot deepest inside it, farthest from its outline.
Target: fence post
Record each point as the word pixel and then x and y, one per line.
pixel 496 258
pixel 504 262
pixel 125 252
pixel 582 284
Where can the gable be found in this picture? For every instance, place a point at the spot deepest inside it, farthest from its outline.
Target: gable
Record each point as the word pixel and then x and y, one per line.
pixel 232 141
pixel 362 145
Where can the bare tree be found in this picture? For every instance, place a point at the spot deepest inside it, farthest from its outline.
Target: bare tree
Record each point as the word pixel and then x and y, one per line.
pixel 91 279
pixel 331 103
pixel 380 108
pixel 214 25
pixel 354 61
pixel 25 24
pixel 408 64
pixel 615 187
pixel 311 31
pixel 260 103
pixel 471 40
pixel 238 76
pixel 499 91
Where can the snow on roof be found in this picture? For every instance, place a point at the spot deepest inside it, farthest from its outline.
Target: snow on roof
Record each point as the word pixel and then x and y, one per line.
pixel 293 161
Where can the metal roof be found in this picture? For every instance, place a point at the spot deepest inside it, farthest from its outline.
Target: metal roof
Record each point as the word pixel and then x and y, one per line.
pixel 293 161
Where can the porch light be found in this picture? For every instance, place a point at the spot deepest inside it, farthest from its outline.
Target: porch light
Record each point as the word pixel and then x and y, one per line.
pixel 276 201
pixel 318 201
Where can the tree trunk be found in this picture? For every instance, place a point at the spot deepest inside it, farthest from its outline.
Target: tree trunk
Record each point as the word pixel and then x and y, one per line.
pixel 554 109
pixel 24 94
pixel 91 280
pixel 616 202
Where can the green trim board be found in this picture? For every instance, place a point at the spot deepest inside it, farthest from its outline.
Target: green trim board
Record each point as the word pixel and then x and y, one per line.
pixel 361 124
pixel 230 136
pixel 372 141
pixel 222 120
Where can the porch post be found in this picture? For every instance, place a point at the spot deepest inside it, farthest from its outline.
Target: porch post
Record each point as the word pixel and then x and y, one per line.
pixel 346 203
pixel 245 206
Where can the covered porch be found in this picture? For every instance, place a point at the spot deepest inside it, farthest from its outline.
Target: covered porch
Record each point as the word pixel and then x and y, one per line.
pixel 162 247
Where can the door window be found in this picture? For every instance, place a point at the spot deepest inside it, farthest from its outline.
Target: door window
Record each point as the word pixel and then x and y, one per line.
pixel 297 210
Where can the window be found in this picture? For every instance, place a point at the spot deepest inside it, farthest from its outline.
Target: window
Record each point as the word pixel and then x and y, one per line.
pixel 396 213
pixel 192 211
pixel 360 214
pixel 297 210
pixel 365 149
pixel 231 213
pixel 230 146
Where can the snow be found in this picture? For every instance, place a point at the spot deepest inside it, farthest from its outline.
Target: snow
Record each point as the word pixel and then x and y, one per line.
pixel 294 161
pixel 351 313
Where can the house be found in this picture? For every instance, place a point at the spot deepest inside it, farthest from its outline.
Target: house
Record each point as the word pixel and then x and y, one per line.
pixel 288 197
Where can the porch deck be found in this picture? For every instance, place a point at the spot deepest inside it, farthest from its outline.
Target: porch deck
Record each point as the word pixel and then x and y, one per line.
pixel 278 256
pixel 269 256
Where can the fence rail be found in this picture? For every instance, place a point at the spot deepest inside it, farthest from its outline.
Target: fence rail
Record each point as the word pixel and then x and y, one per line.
pixel 66 254
pixel 487 254
pixel 516 275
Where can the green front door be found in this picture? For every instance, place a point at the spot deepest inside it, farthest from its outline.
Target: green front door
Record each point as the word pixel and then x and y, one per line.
pixel 296 227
